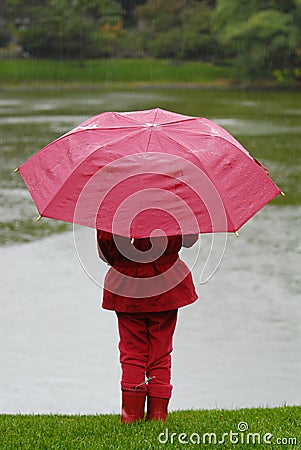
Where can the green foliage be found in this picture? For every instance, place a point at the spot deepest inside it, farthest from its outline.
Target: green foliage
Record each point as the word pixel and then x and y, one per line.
pixel 177 29
pixel 161 15
pixel 256 37
pixel 4 36
pixel 229 13
pixel 66 29
pixel 259 36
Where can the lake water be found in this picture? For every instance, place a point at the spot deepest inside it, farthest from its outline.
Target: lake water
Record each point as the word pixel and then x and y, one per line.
pixel 238 346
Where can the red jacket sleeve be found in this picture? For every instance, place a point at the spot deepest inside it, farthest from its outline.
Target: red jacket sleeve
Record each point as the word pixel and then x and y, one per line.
pixel 105 246
pixel 189 240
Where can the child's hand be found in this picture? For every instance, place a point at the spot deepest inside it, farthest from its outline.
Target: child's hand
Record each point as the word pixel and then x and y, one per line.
pixel 189 240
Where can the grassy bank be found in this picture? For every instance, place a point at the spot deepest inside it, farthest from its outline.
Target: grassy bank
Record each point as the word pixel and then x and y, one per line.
pixel 239 429
pixel 112 70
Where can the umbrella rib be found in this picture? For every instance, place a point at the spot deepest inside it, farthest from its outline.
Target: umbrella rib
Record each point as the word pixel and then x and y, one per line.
pixel 224 138
pixel 147 147
pixel 151 131
pixel 157 110
pixel 78 165
pixel 137 122
pixel 82 131
pixel 172 122
pixel 79 129
pixel 181 145
pixel 193 154
pixel 118 114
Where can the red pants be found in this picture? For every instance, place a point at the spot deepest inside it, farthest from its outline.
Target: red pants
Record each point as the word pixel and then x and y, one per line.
pixel 145 347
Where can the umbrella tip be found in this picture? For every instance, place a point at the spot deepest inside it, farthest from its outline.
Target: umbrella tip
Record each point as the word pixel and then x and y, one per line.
pixel 236 233
pixel 16 169
pixel 39 217
pixel 282 193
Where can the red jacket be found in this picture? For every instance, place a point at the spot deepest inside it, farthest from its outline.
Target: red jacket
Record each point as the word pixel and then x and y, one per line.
pixel 145 277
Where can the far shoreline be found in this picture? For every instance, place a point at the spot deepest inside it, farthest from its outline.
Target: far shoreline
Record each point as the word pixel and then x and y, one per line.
pixel 146 73
pixel 65 85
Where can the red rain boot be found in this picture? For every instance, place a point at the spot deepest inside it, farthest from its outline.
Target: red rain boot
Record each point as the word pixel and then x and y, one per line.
pixel 157 408
pixel 132 405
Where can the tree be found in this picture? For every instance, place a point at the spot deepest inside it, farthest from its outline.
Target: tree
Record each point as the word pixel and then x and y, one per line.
pixel 258 35
pixel 65 28
pixel 177 28
pixel 129 11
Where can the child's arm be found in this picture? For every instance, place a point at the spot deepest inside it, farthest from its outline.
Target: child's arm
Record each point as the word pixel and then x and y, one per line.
pixel 104 246
pixel 100 254
pixel 189 240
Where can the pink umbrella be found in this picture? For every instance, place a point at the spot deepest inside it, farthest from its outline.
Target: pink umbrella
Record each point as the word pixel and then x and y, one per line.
pixel 138 173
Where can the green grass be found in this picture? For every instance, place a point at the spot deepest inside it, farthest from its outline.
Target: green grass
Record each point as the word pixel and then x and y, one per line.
pixel 110 70
pixel 280 427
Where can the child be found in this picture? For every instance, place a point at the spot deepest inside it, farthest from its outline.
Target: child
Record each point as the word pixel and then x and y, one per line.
pixel 145 286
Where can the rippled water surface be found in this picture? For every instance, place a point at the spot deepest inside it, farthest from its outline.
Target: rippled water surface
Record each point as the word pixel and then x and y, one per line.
pixel 239 345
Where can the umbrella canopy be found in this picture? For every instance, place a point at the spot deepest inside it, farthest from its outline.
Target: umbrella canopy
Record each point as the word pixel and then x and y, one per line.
pixel 138 173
